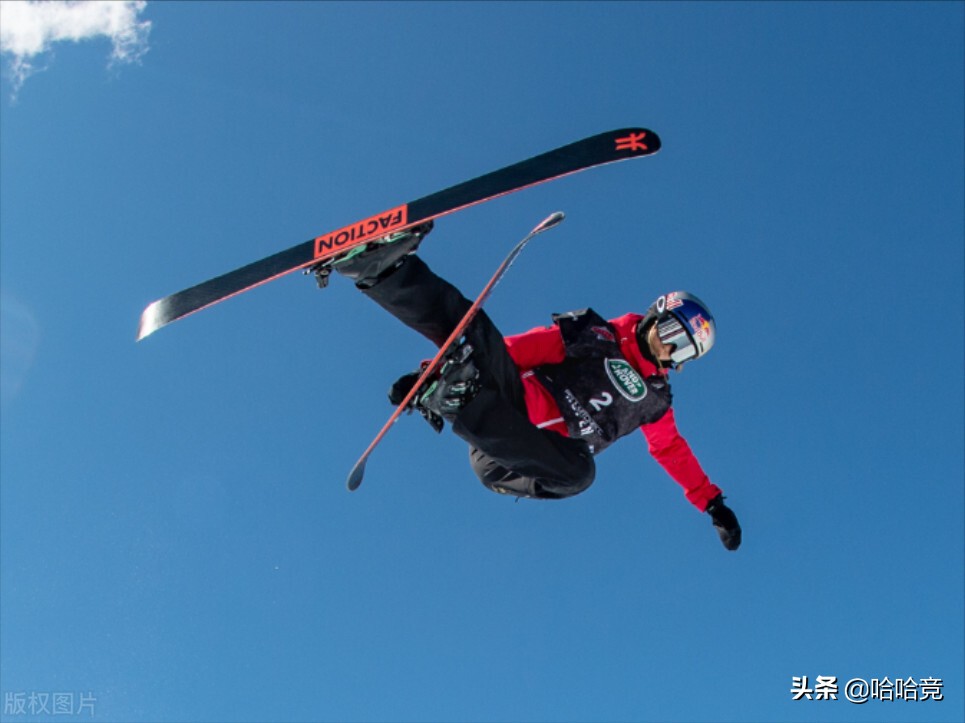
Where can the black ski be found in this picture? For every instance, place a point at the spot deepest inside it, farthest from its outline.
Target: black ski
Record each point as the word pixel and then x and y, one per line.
pixel 358 471
pixel 616 145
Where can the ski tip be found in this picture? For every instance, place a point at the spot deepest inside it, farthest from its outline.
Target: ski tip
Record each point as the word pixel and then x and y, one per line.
pixel 550 221
pixel 554 219
pixel 150 321
pixel 355 476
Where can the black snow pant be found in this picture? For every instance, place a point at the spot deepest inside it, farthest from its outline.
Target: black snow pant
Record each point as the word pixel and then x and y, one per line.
pixel 508 453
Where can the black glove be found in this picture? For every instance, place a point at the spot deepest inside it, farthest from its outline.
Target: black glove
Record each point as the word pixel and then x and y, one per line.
pixel 725 522
pixel 401 387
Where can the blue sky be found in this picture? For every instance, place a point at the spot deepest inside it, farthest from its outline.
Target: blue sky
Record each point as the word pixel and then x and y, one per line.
pixel 177 541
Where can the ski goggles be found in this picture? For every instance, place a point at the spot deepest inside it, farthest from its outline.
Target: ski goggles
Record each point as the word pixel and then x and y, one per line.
pixel 673 333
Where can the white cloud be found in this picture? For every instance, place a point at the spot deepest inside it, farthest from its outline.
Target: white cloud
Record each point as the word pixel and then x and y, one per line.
pixel 19 340
pixel 28 29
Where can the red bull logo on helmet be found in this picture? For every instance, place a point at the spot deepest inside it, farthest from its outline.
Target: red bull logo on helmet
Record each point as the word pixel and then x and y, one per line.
pixel 700 327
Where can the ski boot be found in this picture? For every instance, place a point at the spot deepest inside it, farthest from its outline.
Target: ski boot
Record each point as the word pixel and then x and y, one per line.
pixel 456 385
pixel 442 397
pixel 369 263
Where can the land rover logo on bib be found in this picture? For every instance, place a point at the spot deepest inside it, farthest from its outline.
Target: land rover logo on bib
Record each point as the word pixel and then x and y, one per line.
pixel 625 378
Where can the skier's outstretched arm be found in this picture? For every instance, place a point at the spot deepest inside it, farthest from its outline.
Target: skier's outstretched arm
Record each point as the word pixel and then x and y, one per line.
pixel 673 453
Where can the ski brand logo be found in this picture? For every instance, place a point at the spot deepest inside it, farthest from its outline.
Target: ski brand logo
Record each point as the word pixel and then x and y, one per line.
pixel 371 228
pixel 632 142
pixel 626 380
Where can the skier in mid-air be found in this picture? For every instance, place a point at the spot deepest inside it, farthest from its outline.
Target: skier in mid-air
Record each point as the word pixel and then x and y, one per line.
pixel 535 408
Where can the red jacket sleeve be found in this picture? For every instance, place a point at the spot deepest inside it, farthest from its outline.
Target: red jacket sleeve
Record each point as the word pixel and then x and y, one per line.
pixel 674 455
pixel 543 345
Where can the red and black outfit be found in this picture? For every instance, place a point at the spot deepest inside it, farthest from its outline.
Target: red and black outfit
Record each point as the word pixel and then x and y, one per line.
pixel 598 347
pixel 550 398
